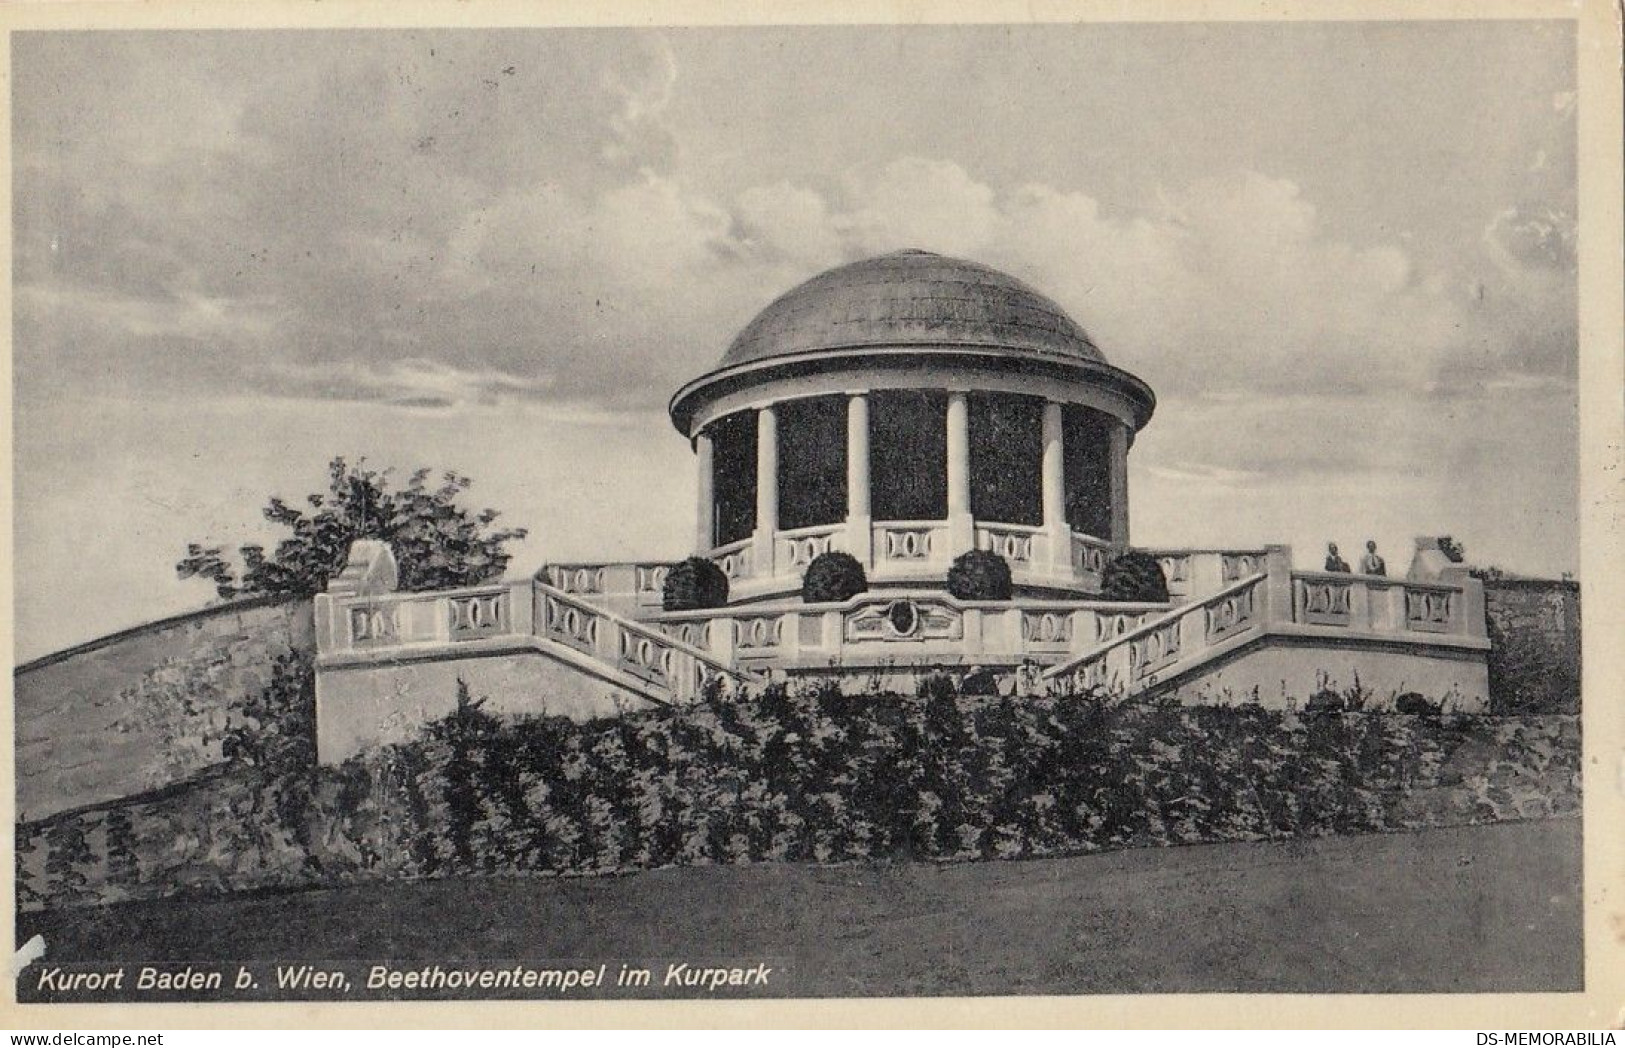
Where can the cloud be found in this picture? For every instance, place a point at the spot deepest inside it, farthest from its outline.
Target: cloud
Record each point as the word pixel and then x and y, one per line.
pixel 1519 241
pixel 912 201
pixel 640 136
pixel 784 223
pixel 450 217
pixel 410 383
pixel 1230 283
pixel 1204 473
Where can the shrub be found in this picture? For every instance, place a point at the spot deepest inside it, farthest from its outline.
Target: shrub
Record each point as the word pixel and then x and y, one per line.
pixel 979 575
pixel 275 727
pixel 1134 577
pixel 68 860
pixel 833 576
pixel 979 680
pixel 1326 701
pixel 693 585
pixel 123 868
pixel 1416 704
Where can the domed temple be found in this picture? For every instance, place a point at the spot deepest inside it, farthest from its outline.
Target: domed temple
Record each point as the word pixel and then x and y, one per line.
pixel 904 410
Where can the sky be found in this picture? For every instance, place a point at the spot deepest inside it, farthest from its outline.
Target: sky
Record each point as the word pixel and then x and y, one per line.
pixel 1342 254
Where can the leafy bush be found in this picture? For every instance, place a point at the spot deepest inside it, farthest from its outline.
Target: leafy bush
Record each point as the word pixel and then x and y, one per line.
pixel 1326 701
pixel 1134 577
pixel 275 727
pixel 694 585
pixel 833 576
pixel 979 575
pixel 979 680
pixel 1415 704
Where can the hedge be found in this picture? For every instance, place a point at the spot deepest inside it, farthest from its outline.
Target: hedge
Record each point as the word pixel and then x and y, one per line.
pixel 808 775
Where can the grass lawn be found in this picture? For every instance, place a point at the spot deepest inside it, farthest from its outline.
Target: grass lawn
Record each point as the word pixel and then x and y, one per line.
pixel 1493 908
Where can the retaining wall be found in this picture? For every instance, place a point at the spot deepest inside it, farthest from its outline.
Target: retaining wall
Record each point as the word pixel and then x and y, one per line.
pixel 142 709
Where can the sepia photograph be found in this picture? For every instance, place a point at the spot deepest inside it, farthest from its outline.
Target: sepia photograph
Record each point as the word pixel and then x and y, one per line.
pixel 745 511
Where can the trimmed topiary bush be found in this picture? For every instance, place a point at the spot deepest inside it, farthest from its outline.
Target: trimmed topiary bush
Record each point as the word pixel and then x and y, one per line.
pixel 1134 577
pixel 979 575
pixel 833 576
pixel 693 585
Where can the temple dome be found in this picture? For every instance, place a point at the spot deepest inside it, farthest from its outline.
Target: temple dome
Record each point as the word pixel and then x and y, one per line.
pixel 910 298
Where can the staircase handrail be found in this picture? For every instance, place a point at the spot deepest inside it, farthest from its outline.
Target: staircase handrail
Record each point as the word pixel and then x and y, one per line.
pixel 1150 626
pixel 734 673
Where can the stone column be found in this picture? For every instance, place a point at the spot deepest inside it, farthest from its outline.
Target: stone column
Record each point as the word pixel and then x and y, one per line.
pixel 1056 529
pixel 961 530
pixel 1118 467
pixel 859 532
pixel 767 492
pixel 705 508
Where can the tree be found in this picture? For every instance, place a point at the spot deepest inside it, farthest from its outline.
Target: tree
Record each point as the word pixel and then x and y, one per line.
pixel 437 543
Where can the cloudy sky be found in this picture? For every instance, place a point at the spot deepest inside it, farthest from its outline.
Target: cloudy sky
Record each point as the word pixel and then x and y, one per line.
pixel 1343 255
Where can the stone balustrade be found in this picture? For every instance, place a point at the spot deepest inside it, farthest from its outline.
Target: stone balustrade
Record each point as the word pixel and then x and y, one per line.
pixel 1192 573
pixel 626 588
pixel 1090 556
pixel 1297 628
pixel 902 544
pixel 1369 603
pixel 567 603
pixel 915 551
pixel 385 620
pixel 1016 543
pixel 734 559
pixel 678 670
pixel 800 547
pixel 904 627
pixel 388 625
pixel 1137 657
pixel 1284 603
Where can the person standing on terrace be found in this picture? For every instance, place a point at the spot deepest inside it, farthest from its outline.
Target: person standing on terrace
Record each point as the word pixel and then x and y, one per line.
pixel 1371 563
pixel 1334 561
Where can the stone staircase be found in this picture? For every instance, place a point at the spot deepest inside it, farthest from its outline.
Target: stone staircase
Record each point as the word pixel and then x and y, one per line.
pixel 1173 644
pixel 1282 635
pixel 587 640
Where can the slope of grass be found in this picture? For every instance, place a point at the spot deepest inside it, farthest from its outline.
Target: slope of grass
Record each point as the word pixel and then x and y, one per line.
pixel 1489 908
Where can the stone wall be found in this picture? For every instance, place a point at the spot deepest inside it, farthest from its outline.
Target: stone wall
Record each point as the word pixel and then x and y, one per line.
pixel 365 706
pixel 145 708
pixel 1534 630
pixel 1284 672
